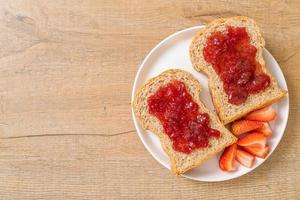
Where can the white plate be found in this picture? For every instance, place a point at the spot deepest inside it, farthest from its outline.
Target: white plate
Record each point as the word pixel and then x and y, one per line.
pixel 173 52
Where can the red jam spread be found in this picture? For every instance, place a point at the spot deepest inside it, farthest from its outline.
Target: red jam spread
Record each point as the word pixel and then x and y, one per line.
pixel 179 114
pixel 233 58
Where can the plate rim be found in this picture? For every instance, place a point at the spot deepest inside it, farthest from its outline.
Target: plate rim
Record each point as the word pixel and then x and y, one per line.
pixel 134 87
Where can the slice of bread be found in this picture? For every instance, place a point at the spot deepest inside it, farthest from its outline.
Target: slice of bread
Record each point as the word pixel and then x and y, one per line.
pixel 226 111
pixel 180 162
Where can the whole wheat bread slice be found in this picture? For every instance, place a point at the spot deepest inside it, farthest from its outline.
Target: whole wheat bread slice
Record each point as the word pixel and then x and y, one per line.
pixel 180 162
pixel 226 111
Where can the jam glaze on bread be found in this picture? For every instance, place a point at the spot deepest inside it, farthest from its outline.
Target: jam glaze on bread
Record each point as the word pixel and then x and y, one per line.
pixel 229 112
pixel 180 162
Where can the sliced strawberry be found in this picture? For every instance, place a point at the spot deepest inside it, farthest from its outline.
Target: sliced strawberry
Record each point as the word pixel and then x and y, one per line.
pixel 265 115
pixel 265 129
pixel 253 140
pixel 244 126
pixel 258 151
pixel 227 159
pixel 245 158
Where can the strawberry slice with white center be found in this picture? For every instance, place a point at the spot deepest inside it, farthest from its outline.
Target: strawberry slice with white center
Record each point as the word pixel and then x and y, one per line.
pixel 254 140
pixel 265 129
pixel 261 152
pixel 244 126
pixel 245 158
pixel 265 115
pixel 227 159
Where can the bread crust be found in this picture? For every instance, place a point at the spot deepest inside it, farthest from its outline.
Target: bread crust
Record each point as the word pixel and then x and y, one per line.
pixel 228 112
pixel 180 162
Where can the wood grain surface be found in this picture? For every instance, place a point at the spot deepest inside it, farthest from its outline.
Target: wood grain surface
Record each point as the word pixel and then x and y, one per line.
pixel 66 73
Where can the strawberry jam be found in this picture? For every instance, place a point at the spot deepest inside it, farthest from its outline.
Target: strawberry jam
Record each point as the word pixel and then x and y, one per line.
pixel 179 114
pixel 233 58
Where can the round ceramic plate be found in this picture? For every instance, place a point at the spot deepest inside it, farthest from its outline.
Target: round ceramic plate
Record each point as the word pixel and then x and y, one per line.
pixel 173 52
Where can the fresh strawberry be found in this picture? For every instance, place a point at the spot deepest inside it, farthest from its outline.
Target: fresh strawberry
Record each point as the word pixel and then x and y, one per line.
pixel 253 140
pixel 258 151
pixel 265 115
pixel 227 159
pixel 244 126
pixel 265 129
pixel 245 158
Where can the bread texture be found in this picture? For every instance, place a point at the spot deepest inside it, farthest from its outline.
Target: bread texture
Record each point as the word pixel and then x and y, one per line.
pixel 180 162
pixel 228 112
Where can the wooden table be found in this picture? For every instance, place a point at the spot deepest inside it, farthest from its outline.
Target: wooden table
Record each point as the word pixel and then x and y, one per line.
pixel 67 69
